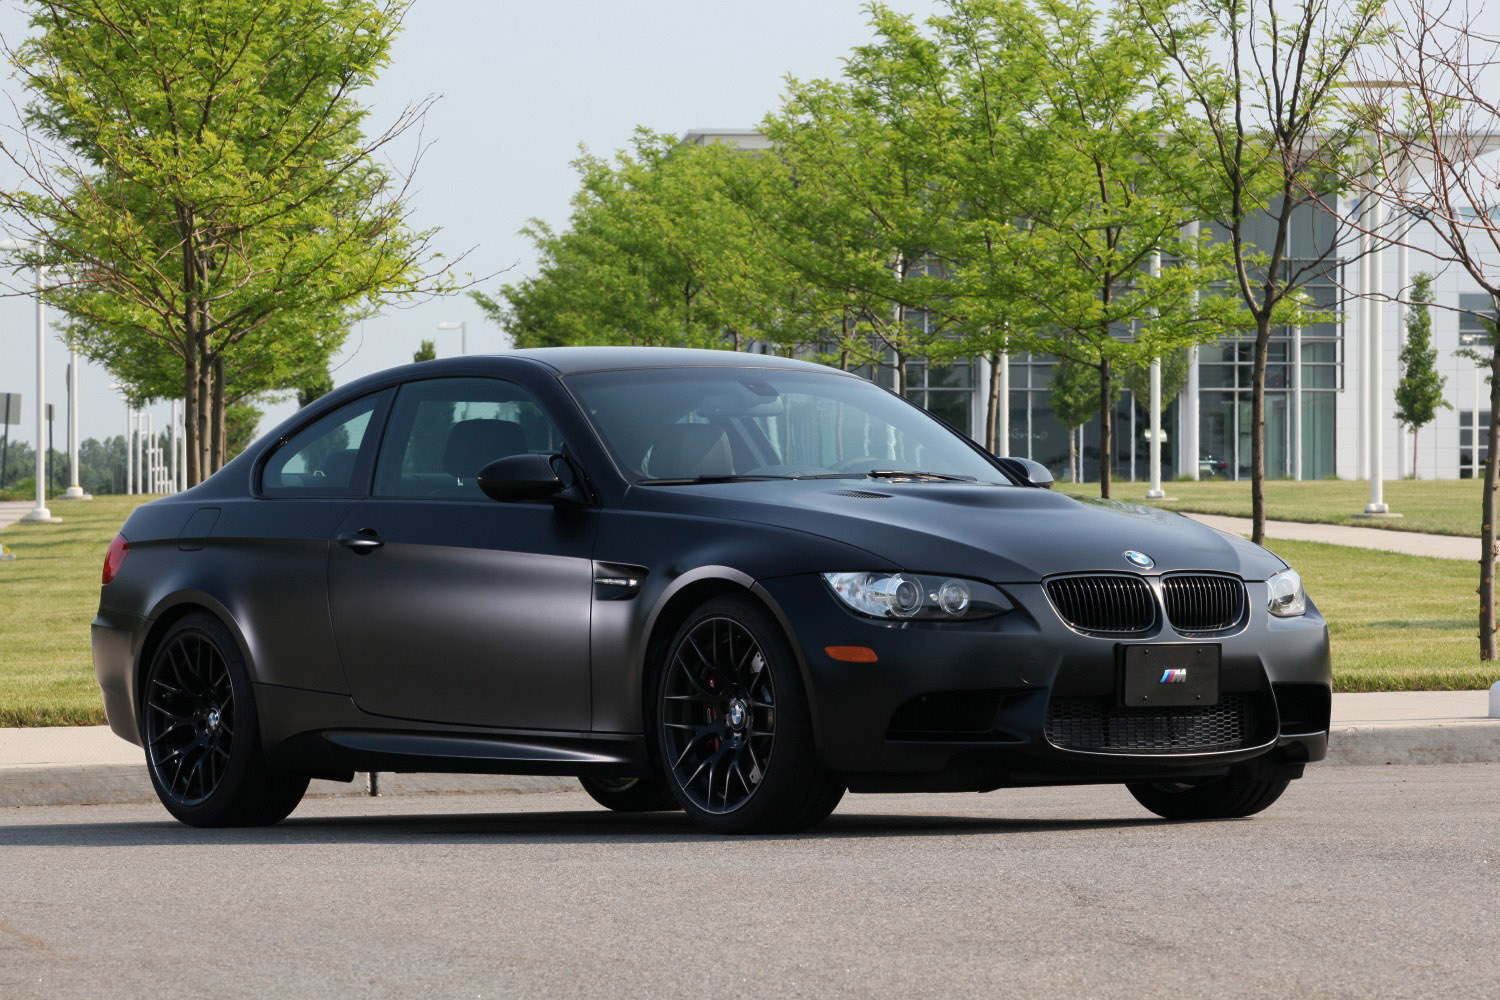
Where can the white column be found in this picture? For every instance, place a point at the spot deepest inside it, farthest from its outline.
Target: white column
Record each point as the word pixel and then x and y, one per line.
pixel 1155 491
pixel 172 459
pixel 1403 280
pixel 182 457
pixel 1188 445
pixel 1002 433
pixel 1297 403
pixel 1361 370
pixel 1377 358
pixel 129 449
pixel 1474 427
pixel 40 511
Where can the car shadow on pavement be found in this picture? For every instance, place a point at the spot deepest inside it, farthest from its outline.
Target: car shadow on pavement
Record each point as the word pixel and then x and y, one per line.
pixel 583 826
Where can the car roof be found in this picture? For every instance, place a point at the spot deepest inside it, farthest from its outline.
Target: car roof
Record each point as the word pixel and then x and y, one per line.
pixel 574 360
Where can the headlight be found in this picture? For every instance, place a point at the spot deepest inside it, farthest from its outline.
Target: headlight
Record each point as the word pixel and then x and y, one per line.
pixel 1287 598
pixel 919 598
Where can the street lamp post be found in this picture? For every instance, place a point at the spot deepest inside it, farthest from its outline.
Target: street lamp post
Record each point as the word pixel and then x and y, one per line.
pixel 39 513
pixel 75 489
pixel 463 334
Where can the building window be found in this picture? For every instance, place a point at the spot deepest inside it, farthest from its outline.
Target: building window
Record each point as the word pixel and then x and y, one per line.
pixel 1473 328
pixel 1468 468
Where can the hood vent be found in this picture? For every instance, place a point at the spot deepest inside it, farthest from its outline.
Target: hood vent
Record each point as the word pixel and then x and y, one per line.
pixel 858 494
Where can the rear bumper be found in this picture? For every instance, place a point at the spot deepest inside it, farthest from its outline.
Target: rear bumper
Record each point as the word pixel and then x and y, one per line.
pixel 117 639
pixel 965 707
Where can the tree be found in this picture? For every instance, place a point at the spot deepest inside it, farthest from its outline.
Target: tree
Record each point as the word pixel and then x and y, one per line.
pixel 1267 130
pixel 199 180
pixel 1075 398
pixel 1419 393
pixel 427 351
pixel 1106 207
pixel 1433 160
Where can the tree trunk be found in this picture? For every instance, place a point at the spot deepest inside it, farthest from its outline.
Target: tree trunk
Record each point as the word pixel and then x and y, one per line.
pixel 901 373
pixel 1487 517
pixel 219 421
pixel 992 424
pixel 1414 454
pixel 1258 431
pixel 204 416
pixel 1073 454
pixel 1106 430
pixel 191 402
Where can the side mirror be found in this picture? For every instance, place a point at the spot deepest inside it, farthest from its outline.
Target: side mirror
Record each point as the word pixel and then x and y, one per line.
pixel 1028 472
pixel 527 477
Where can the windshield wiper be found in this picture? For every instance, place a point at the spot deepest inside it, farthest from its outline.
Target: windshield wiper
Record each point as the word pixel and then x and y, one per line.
pixel 903 474
pixel 692 480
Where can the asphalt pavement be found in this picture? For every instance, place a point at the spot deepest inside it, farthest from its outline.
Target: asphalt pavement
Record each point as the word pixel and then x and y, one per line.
pixel 1361 882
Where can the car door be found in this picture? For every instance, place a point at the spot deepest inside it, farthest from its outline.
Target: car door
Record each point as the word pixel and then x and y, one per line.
pixel 272 546
pixel 450 607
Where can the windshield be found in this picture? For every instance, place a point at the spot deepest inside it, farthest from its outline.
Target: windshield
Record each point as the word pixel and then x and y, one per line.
pixel 690 424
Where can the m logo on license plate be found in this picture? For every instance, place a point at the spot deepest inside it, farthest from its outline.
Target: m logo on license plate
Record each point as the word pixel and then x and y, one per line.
pixel 1173 677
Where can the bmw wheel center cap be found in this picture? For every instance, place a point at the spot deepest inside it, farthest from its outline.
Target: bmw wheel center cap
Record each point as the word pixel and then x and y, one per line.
pixel 1139 559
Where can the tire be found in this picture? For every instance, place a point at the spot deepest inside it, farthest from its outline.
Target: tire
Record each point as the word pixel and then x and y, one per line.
pixel 1229 797
pixel 729 703
pixel 630 794
pixel 201 732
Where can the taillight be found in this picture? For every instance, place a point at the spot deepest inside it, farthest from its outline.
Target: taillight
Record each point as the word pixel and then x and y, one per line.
pixel 115 557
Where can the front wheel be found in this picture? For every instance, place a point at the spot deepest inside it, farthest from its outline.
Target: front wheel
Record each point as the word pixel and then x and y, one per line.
pixel 202 733
pixel 1230 797
pixel 733 727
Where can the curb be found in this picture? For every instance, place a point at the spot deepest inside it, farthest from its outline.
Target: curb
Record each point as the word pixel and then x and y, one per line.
pixel 1459 741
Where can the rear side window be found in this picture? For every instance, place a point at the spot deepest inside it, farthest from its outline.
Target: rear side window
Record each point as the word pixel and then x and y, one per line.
pixel 331 457
pixel 443 431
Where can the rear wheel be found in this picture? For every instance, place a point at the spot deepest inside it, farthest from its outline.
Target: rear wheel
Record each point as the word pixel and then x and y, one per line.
pixel 1229 797
pixel 733 727
pixel 202 733
pixel 630 794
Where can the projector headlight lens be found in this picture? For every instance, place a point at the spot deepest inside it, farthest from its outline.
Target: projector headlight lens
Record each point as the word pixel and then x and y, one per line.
pixel 917 597
pixel 1287 598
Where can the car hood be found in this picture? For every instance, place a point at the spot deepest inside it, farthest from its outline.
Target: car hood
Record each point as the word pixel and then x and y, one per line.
pixel 999 533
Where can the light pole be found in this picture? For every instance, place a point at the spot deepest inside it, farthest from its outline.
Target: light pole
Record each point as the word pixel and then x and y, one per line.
pixel 75 491
pixel 39 513
pixel 463 334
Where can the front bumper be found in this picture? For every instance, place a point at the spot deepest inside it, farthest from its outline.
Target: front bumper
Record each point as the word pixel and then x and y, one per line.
pixel 117 639
pixel 965 706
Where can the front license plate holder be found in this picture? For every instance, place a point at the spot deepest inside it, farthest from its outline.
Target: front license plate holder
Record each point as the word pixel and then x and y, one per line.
pixel 1170 675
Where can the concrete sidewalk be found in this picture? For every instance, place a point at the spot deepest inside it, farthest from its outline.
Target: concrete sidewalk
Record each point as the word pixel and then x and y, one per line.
pixel 1410 543
pixel 91 765
pixel 12 511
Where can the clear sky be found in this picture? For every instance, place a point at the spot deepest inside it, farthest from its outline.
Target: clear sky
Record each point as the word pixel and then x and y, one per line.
pixel 522 84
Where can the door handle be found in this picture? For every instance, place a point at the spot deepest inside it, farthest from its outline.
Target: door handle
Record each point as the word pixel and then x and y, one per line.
pixel 361 541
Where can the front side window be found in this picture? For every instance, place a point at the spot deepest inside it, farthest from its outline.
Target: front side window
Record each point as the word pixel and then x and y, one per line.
pixel 691 423
pixel 443 431
pixel 329 458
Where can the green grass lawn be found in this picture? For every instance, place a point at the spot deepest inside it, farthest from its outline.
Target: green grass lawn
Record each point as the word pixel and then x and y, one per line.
pixel 48 596
pixel 1398 622
pixel 1440 507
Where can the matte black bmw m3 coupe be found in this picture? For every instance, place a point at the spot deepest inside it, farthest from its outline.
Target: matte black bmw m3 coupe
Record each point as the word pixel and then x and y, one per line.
pixel 725 583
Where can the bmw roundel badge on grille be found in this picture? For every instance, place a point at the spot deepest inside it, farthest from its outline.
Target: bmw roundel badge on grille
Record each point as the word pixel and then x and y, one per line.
pixel 1139 559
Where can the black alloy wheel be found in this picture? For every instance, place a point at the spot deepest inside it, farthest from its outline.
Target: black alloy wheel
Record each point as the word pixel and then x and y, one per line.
pixel 734 733
pixel 190 717
pixel 718 715
pixel 202 735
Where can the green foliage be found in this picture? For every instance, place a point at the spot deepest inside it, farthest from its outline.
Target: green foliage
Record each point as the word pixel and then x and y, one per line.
pixel 242 425
pixel 427 351
pixel 1175 367
pixel 1419 392
pixel 314 386
pixel 208 198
